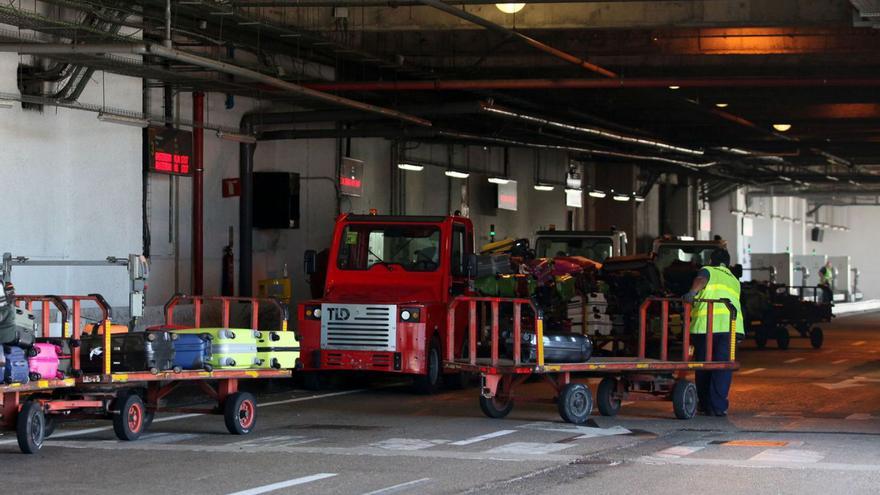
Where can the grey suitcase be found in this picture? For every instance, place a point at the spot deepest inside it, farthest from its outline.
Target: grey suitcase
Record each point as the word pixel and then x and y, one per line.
pixel 559 347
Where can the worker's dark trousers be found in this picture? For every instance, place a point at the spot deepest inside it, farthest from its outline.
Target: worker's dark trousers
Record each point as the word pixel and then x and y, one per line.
pixel 713 386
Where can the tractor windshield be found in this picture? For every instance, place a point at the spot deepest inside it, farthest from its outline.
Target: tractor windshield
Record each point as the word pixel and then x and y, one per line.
pixel 416 248
pixel 596 249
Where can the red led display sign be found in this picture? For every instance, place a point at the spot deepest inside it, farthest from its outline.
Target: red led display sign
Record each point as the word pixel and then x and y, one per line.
pixel 351 177
pixel 170 151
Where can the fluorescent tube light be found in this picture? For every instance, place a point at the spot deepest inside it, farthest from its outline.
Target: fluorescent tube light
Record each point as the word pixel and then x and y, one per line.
pixel 595 193
pixel 455 174
pixel 412 167
pixel 238 138
pixel 499 180
pixel 123 120
pixel 543 187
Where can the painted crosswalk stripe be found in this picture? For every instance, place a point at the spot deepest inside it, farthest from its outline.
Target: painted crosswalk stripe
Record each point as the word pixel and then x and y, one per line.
pixel 679 451
pixel 794 360
pixel 398 488
pixel 285 484
pixel 860 417
pixel 839 361
pixel 404 444
pixel 861 342
pixel 788 456
pixel 529 448
pixel 481 438
pixel 752 371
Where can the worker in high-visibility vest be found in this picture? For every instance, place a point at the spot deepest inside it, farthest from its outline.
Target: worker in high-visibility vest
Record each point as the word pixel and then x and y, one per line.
pixel 826 282
pixel 715 281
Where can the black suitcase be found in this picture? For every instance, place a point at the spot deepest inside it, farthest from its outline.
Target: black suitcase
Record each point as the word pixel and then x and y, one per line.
pixel 135 351
pixel 17 327
pixel 559 347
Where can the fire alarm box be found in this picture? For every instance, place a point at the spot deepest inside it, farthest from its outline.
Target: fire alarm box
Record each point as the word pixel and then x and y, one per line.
pixel 276 200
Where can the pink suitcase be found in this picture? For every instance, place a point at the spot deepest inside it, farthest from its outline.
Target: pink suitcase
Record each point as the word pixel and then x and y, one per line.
pixel 43 362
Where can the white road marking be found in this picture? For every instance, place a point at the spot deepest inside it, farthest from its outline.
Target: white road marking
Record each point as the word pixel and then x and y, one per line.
pixel 89 431
pixel 794 360
pixel 398 488
pixel 403 444
pixel 679 451
pixel 788 456
pixel 359 451
pixel 274 441
pixel 860 417
pixel 285 484
pixel 487 436
pixel 861 342
pixel 529 448
pixel 749 464
pixel 752 371
pixel 839 361
pixel 167 437
pixel 585 431
pixel 840 385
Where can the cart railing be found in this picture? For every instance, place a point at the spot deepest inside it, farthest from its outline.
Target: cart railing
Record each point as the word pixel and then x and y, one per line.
pixel 495 304
pixel 72 316
pixel 686 326
pixel 225 302
pixel 804 291
pixel 46 303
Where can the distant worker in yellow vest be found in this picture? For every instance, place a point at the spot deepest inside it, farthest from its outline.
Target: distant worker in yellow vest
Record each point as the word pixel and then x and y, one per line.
pixel 714 281
pixel 826 282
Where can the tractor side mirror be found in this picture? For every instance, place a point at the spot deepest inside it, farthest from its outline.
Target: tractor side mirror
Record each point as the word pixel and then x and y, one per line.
pixel 310 262
pixel 472 265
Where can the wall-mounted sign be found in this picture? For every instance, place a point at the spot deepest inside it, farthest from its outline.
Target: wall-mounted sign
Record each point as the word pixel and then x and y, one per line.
pixel 351 177
pixel 748 227
pixel 170 151
pixel 574 198
pixel 507 196
pixel 231 187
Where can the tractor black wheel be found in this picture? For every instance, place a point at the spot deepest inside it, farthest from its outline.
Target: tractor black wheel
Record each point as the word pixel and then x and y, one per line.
pixel 782 338
pixel 817 337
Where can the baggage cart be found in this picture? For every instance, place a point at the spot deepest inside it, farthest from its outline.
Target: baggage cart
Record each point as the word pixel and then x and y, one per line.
pixel 129 399
pixel 638 377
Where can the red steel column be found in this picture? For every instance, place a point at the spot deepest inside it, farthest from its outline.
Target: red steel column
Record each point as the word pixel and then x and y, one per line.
pixel 198 206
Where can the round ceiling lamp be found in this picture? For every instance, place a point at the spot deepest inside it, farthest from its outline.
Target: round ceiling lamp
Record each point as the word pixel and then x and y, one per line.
pixel 782 127
pixel 510 8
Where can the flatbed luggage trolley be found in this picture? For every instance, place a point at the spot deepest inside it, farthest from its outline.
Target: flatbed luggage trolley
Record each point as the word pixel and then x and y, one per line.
pixel 131 399
pixel 633 378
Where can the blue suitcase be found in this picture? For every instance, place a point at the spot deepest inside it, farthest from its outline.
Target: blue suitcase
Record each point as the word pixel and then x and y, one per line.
pixel 16 369
pixel 192 352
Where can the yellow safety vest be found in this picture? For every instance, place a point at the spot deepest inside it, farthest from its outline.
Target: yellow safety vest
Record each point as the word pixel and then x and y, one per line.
pixel 722 285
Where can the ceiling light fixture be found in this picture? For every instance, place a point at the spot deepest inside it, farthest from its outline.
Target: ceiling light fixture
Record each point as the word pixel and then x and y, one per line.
pixel 412 167
pixel 123 120
pixel 455 174
pixel 238 138
pixel 510 8
pixel 499 180
pixel 832 178
pixel 620 197
pixel 638 199
pixel 674 87
pixel 782 127
pixel 595 193
pixel 721 105
pixel 544 187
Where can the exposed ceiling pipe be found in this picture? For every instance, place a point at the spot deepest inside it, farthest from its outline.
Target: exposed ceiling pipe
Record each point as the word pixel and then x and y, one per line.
pixel 475 19
pixel 207 63
pixel 398 3
pixel 592 131
pixel 621 83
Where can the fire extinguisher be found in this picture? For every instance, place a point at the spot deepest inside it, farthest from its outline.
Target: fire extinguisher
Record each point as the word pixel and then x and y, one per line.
pixel 227 282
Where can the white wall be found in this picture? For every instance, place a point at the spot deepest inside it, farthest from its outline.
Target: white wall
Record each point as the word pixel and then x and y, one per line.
pixel 860 243
pixel 71 187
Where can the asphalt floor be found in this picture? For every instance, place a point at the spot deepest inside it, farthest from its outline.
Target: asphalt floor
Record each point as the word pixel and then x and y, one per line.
pixel 802 421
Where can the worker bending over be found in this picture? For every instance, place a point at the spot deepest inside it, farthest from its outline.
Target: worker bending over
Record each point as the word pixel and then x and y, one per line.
pixel 714 281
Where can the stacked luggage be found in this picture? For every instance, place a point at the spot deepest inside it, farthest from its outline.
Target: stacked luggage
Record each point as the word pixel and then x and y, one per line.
pixel 133 351
pixel 17 336
pixel 233 348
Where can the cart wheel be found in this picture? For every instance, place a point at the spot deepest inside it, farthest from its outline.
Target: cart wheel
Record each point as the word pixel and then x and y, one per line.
pixel 817 337
pixel 240 413
pixel 496 407
pixel 782 338
pixel 428 383
pixel 208 368
pixel 609 405
pixel 760 338
pixel 684 399
pixel 34 376
pixel 154 371
pixel 30 427
pixel 49 425
pixel 33 351
pixel 128 422
pixel 575 403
